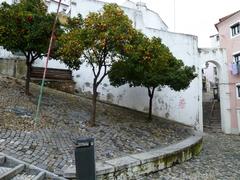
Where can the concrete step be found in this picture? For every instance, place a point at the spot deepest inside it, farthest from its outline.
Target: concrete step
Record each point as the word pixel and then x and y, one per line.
pixel 11 168
pixel 212 128
pixel 24 176
pixel 4 169
pixel 211 117
pixel 12 172
pixel 40 176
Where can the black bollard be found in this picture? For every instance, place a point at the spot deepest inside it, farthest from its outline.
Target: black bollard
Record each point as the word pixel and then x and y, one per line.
pixel 85 159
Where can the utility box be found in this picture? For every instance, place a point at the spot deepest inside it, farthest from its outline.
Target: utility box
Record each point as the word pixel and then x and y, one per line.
pixel 85 159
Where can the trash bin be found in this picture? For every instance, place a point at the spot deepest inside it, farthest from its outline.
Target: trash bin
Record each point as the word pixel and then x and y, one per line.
pixel 85 159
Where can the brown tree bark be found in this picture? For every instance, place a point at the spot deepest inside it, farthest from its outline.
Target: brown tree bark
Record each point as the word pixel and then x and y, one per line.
pixel 27 82
pixel 94 105
pixel 150 94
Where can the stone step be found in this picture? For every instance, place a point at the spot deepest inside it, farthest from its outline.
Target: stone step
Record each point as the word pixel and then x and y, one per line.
pixel 12 172
pixel 4 169
pixel 214 122
pixel 40 176
pixel 14 169
pixel 212 128
pixel 24 176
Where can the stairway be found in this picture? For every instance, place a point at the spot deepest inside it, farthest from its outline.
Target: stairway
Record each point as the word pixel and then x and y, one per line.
pixel 13 169
pixel 212 116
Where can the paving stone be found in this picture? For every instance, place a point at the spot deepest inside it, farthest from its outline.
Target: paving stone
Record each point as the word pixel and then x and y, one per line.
pixel 119 131
pixel 218 160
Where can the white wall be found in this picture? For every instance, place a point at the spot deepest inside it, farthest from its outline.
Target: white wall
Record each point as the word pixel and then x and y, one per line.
pixel 215 42
pixel 7 1
pixel 4 54
pixel 184 106
pixel 210 75
pixel 218 57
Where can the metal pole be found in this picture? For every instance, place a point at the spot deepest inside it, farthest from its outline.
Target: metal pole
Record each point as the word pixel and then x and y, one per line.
pixel 46 65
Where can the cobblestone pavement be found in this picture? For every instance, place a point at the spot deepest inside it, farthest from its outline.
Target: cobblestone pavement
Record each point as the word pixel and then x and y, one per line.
pixel 220 159
pixel 50 145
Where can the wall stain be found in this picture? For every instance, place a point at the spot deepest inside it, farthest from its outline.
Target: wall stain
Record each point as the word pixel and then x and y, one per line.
pixel 110 97
pixel 105 85
pixel 119 98
pixel 167 114
pixel 87 84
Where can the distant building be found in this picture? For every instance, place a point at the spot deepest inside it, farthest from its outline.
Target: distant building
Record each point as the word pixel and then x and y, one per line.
pixel 228 37
pixel 210 77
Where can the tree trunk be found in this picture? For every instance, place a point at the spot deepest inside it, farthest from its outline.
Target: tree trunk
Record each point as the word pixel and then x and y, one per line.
pixel 150 94
pixel 94 101
pixel 28 78
pixel 15 69
pixel 150 108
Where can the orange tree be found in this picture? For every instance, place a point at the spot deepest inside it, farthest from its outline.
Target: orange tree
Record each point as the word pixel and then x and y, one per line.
pixel 98 40
pixel 149 63
pixel 26 27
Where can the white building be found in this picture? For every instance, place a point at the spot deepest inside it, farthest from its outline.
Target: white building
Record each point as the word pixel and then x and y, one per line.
pixel 184 106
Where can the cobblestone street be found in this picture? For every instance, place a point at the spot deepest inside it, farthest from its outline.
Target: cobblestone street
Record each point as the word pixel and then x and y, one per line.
pixel 119 131
pixel 219 160
pixel 50 146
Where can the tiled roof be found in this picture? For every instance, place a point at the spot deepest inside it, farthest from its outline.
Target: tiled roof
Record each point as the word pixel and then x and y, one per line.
pixel 228 16
pixel 225 18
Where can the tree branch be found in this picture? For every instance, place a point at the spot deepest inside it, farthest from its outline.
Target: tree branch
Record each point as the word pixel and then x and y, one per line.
pixel 151 91
pixel 36 56
pixel 89 58
pixel 104 74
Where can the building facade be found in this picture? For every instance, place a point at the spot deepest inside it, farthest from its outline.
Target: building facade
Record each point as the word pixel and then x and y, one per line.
pixel 228 37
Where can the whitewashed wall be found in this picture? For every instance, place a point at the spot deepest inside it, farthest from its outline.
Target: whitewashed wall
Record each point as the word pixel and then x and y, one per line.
pixel 184 106
pixel 218 57
pixel 7 1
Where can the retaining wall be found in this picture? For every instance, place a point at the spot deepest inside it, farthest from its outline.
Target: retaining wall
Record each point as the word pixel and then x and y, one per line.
pixel 132 166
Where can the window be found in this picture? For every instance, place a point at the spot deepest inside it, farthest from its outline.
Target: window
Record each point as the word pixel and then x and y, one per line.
pixel 236 58
pixel 238 90
pixel 235 29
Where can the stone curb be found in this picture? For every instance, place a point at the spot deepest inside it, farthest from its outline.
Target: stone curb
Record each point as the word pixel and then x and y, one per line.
pixel 132 166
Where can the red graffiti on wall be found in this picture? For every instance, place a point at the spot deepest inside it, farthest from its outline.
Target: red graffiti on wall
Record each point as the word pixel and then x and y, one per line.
pixel 181 103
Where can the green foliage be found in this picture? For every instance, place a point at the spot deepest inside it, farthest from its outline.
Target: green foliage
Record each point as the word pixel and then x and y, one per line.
pixel 75 22
pixel 26 27
pixel 149 63
pixel 97 40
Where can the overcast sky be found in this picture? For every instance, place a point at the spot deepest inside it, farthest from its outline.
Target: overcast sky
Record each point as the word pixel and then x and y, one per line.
pixel 195 17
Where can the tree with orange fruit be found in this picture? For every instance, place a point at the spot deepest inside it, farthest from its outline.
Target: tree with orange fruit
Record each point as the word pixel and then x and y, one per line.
pixel 26 27
pixel 98 41
pixel 149 63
